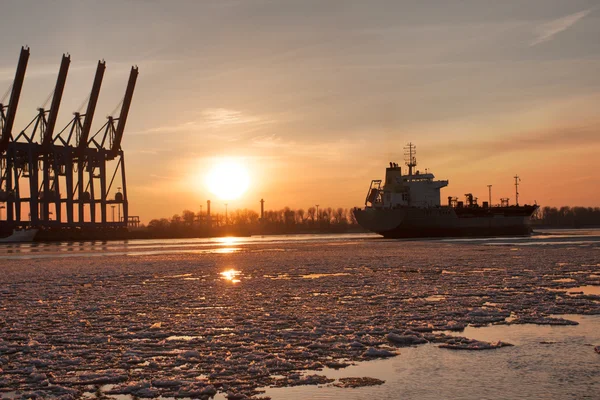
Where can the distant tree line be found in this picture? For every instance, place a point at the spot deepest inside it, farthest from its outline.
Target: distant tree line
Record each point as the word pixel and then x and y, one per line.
pixel 327 220
pixel 567 217
pixel 248 222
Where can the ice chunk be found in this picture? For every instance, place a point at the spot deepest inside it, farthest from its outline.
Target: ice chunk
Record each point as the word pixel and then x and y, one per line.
pixel 404 340
pixel 373 352
pixel 165 383
pixel 474 345
pixel 147 392
pixel 357 382
pixel 190 354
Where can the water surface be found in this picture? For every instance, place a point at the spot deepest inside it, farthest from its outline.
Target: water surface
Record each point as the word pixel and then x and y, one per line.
pixel 250 311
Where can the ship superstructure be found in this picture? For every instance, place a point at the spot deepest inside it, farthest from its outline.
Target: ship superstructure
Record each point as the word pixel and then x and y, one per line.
pixel 416 190
pixel 409 206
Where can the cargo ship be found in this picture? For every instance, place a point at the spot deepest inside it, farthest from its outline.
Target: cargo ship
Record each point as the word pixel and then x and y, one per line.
pixel 409 206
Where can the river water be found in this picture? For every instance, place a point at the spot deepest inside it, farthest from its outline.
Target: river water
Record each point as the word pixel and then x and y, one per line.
pixel 547 362
pixel 547 237
pixel 329 290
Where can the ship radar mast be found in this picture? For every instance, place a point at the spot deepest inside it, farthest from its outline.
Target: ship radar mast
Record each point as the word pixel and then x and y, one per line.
pixel 410 157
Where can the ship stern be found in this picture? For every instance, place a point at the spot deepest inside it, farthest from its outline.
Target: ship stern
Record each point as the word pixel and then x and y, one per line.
pixel 379 220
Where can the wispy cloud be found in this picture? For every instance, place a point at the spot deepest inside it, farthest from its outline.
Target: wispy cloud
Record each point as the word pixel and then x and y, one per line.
pixel 222 116
pixel 183 127
pixel 565 138
pixel 549 29
pixel 325 150
pixel 217 121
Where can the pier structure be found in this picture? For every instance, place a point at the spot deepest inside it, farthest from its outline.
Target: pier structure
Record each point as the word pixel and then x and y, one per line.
pixel 64 179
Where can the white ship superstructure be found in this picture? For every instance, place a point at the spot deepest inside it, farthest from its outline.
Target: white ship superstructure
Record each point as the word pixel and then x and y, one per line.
pixel 416 190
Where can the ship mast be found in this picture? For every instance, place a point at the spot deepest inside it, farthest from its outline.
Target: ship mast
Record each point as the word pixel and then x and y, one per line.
pixel 410 157
pixel 517 180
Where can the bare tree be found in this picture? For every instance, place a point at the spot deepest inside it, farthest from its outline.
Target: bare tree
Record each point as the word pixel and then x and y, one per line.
pixel 339 216
pixel 329 214
pixel 311 213
pixel 300 216
pixel 188 217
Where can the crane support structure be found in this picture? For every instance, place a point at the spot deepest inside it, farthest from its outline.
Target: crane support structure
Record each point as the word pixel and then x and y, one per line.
pixel 14 100
pixel 56 98
pixel 116 144
pixel 91 108
pixel 61 182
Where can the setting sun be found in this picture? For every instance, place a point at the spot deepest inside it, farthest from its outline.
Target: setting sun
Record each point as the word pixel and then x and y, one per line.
pixel 228 180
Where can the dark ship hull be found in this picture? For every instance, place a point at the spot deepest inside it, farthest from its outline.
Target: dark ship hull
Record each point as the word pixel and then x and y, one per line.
pixel 413 222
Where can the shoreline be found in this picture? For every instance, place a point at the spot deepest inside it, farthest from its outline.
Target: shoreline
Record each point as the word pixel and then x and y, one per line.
pixel 144 236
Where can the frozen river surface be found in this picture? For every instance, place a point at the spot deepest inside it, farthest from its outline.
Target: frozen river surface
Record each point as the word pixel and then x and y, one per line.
pixel 295 317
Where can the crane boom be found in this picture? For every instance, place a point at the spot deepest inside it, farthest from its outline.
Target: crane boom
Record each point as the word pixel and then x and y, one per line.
pixel 91 108
pixel 116 145
pixel 5 135
pixel 58 92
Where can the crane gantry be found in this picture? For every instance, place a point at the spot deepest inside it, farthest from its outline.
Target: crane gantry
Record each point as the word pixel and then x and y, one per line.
pixel 45 174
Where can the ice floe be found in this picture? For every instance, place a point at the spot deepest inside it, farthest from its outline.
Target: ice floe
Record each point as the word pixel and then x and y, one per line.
pixel 192 325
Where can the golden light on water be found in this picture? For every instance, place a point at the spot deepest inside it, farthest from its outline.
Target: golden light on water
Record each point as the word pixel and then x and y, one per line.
pixel 227 245
pixel 231 275
pixel 228 179
pixel 227 250
pixel 228 240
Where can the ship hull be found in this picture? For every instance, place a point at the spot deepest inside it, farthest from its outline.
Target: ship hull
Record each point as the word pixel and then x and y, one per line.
pixel 412 222
pixel 20 236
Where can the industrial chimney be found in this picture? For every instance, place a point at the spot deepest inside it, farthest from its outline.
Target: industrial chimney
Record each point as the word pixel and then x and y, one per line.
pixel 262 209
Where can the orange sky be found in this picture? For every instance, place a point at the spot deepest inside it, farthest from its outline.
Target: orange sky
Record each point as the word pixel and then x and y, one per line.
pixel 315 98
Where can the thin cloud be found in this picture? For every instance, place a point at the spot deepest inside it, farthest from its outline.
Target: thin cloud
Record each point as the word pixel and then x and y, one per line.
pixel 183 127
pixel 564 138
pixel 213 120
pixel 332 150
pixel 550 29
pixel 222 116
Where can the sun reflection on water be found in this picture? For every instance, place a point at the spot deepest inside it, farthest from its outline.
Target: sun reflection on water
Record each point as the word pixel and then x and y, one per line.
pixel 228 240
pixel 227 250
pixel 226 245
pixel 231 275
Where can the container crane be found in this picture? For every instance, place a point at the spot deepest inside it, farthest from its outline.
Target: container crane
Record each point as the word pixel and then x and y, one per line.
pixel 109 148
pixel 48 133
pixel 14 100
pixel 91 108
pixel 8 119
pixel 43 160
pixel 116 142
pixel 51 192
pixel 82 143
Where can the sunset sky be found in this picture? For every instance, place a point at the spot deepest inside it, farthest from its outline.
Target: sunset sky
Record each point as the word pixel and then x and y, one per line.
pixel 315 97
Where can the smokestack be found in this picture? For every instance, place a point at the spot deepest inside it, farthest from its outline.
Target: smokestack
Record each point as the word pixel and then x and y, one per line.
pixel 208 208
pixel 262 209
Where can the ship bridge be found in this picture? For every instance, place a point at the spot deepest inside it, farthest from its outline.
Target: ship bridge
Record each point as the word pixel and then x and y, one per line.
pixel 413 189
